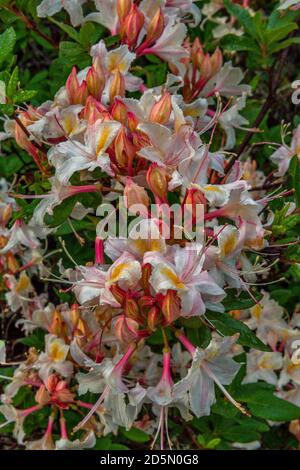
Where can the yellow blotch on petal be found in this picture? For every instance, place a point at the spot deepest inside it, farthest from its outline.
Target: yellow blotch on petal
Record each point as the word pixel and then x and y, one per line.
pixel 142 246
pixel 117 272
pixel 256 311
pixel 169 274
pixel 57 351
pixel 104 135
pixel 229 244
pixel 23 283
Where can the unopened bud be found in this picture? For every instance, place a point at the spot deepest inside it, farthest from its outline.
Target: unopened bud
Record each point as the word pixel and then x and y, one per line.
pixel 154 318
pixel 124 149
pixel 205 68
pixel 157 181
pixel 118 293
pixel 161 111
pixel 119 111
pixel 82 93
pixel 131 308
pixel 93 110
pixel 154 30
pixel 123 8
pixel 5 214
pixel 117 87
pixel 171 306
pixel 146 273
pixel 216 61
pixel 95 83
pixel 72 85
pixel 135 194
pixel 12 263
pixel 132 26
pixel 126 329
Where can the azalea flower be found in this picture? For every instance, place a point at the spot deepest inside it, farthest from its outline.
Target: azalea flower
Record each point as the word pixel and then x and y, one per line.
pixel 209 367
pixel 282 156
pixel 20 234
pixel 71 156
pixel 54 358
pixel 195 287
pixel 262 366
pixel 73 7
pixel 285 4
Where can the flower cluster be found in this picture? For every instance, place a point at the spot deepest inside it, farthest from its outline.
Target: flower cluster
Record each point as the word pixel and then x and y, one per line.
pixel 124 338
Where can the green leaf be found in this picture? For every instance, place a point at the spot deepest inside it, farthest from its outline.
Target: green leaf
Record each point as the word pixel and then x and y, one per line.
pixel 213 443
pixel 294 172
pixel 13 83
pixel 7 109
pixel 228 326
pixel 7 42
pixel 61 212
pixel 231 42
pixel 263 403
pixel 36 339
pixel 243 16
pixel 242 302
pixel 74 54
pixel 90 34
pixel 24 95
pixel 277 34
pixel 71 32
pixel 136 435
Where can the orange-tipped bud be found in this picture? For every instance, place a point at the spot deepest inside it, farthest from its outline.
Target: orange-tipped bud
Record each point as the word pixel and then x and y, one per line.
pixel 155 28
pixel 132 26
pixel 157 181
pixel 123 8
pixel 117 87
pixel 124 149
pixel 161 111
pixel 95 83
pixel 154 318
pixel 126 329
pixel 135 194
pixel 119 111
pixel 171 306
